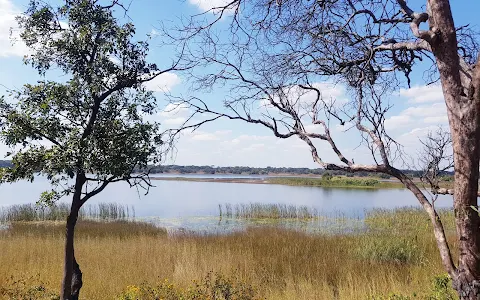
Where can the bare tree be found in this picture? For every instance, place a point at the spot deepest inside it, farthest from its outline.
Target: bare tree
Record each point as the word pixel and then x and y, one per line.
pixel 435 159
pixel 274 56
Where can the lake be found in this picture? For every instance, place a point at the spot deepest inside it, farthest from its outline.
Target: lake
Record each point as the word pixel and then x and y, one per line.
pixel 194 205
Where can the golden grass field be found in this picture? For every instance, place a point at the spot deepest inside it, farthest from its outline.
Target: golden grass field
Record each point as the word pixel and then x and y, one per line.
pixel 396 255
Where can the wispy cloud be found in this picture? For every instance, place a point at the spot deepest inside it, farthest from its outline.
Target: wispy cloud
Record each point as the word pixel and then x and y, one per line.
pixel 163 83
pixel 10 41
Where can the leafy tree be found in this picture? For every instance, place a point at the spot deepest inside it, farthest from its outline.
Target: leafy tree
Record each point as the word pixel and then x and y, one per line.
pixel 89 128
pixel 274 57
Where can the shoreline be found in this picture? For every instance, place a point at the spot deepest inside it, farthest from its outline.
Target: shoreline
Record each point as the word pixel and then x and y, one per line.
pixel 338 182
pixel 290 181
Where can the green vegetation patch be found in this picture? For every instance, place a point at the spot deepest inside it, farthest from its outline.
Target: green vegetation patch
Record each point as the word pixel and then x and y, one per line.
pixel 212 286
pixel 60 211
pixel 328 181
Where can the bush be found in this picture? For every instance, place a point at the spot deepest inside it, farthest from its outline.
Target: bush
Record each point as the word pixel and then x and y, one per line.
pixel 442 288
pixel 26 289
pixel 211 286
pixel 327 176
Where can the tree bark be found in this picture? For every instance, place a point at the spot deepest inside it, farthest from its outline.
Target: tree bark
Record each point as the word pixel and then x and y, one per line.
pixel 72 275
pixel 463 107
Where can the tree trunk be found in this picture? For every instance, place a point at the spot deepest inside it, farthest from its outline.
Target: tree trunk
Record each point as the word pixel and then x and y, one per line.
pixel 463 107
pixel 69 258
pixel 76 280
pixel 72 276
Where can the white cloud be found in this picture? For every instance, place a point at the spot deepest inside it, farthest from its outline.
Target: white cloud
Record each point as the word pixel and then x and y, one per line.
pixel 396 122
pixel 253 147
pixel 174 110
pixel 206 5
pixel 10 42
pixel 174 121
pixel 205 137
pixel 436 120
pixel 411 138
pixel 423 94
pixel 209 136
pixel 434 110
pixel 162 83
pixel 417 116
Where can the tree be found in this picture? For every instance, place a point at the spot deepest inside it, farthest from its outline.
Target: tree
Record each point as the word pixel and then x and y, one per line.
pixel 275 56
pixel 88 129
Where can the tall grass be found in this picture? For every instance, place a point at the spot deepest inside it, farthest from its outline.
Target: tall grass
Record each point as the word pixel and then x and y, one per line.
pixel 267 211
pixel 60 211
pixel 277 263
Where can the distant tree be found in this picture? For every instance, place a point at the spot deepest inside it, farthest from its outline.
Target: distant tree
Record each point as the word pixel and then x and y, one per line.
pixel 275 57
pixel 327 176
pixel 88 128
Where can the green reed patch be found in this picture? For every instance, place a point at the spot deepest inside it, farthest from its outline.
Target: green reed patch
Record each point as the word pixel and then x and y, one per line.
pixel 403 219
pixel 390 249
pixel 267 211
pixel 85 228
pixel 60 211
pixel 332 182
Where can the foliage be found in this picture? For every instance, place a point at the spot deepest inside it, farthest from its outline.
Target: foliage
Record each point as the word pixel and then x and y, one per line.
pixel 440 289
pixel 92 122
pixel 26 289
pixel 327 176
pixel 211 286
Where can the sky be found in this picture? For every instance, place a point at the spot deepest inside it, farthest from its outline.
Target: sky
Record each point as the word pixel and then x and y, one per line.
pixel 416 110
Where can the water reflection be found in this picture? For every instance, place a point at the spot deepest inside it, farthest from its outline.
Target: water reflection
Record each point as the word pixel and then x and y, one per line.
pixel 186 204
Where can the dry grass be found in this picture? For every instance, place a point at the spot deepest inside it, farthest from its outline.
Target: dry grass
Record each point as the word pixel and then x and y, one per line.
pixel 279 263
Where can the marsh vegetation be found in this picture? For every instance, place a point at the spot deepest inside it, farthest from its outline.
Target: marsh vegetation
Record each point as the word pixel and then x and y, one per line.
pixel 394 254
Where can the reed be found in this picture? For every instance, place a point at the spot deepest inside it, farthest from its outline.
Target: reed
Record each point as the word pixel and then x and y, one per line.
pixel 267 211
pixel 277 263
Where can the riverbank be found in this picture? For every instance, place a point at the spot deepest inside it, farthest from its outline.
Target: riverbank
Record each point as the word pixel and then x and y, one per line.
pixel 334 182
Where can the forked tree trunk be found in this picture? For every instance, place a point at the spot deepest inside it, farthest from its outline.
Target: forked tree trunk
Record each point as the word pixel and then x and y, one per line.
pixel 463 106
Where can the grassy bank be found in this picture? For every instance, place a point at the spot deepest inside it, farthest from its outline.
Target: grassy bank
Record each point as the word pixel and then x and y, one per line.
pixel 338 182
pixel 397 254
pixel 334 182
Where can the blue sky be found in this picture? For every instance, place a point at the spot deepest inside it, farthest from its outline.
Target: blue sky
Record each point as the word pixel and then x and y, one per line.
pixel 228 143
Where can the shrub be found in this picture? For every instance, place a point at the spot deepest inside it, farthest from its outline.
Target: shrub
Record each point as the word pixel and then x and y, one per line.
pixel 26 289
pixel 442 288
pixel 216 286
pixel 327 176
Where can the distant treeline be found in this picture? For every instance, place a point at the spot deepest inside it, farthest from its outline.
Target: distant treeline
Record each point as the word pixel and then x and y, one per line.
pixel 252 171
pixel 266 171
pixel 5 163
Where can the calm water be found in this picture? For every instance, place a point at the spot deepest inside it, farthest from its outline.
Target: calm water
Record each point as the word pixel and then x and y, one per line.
pixel 189 204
